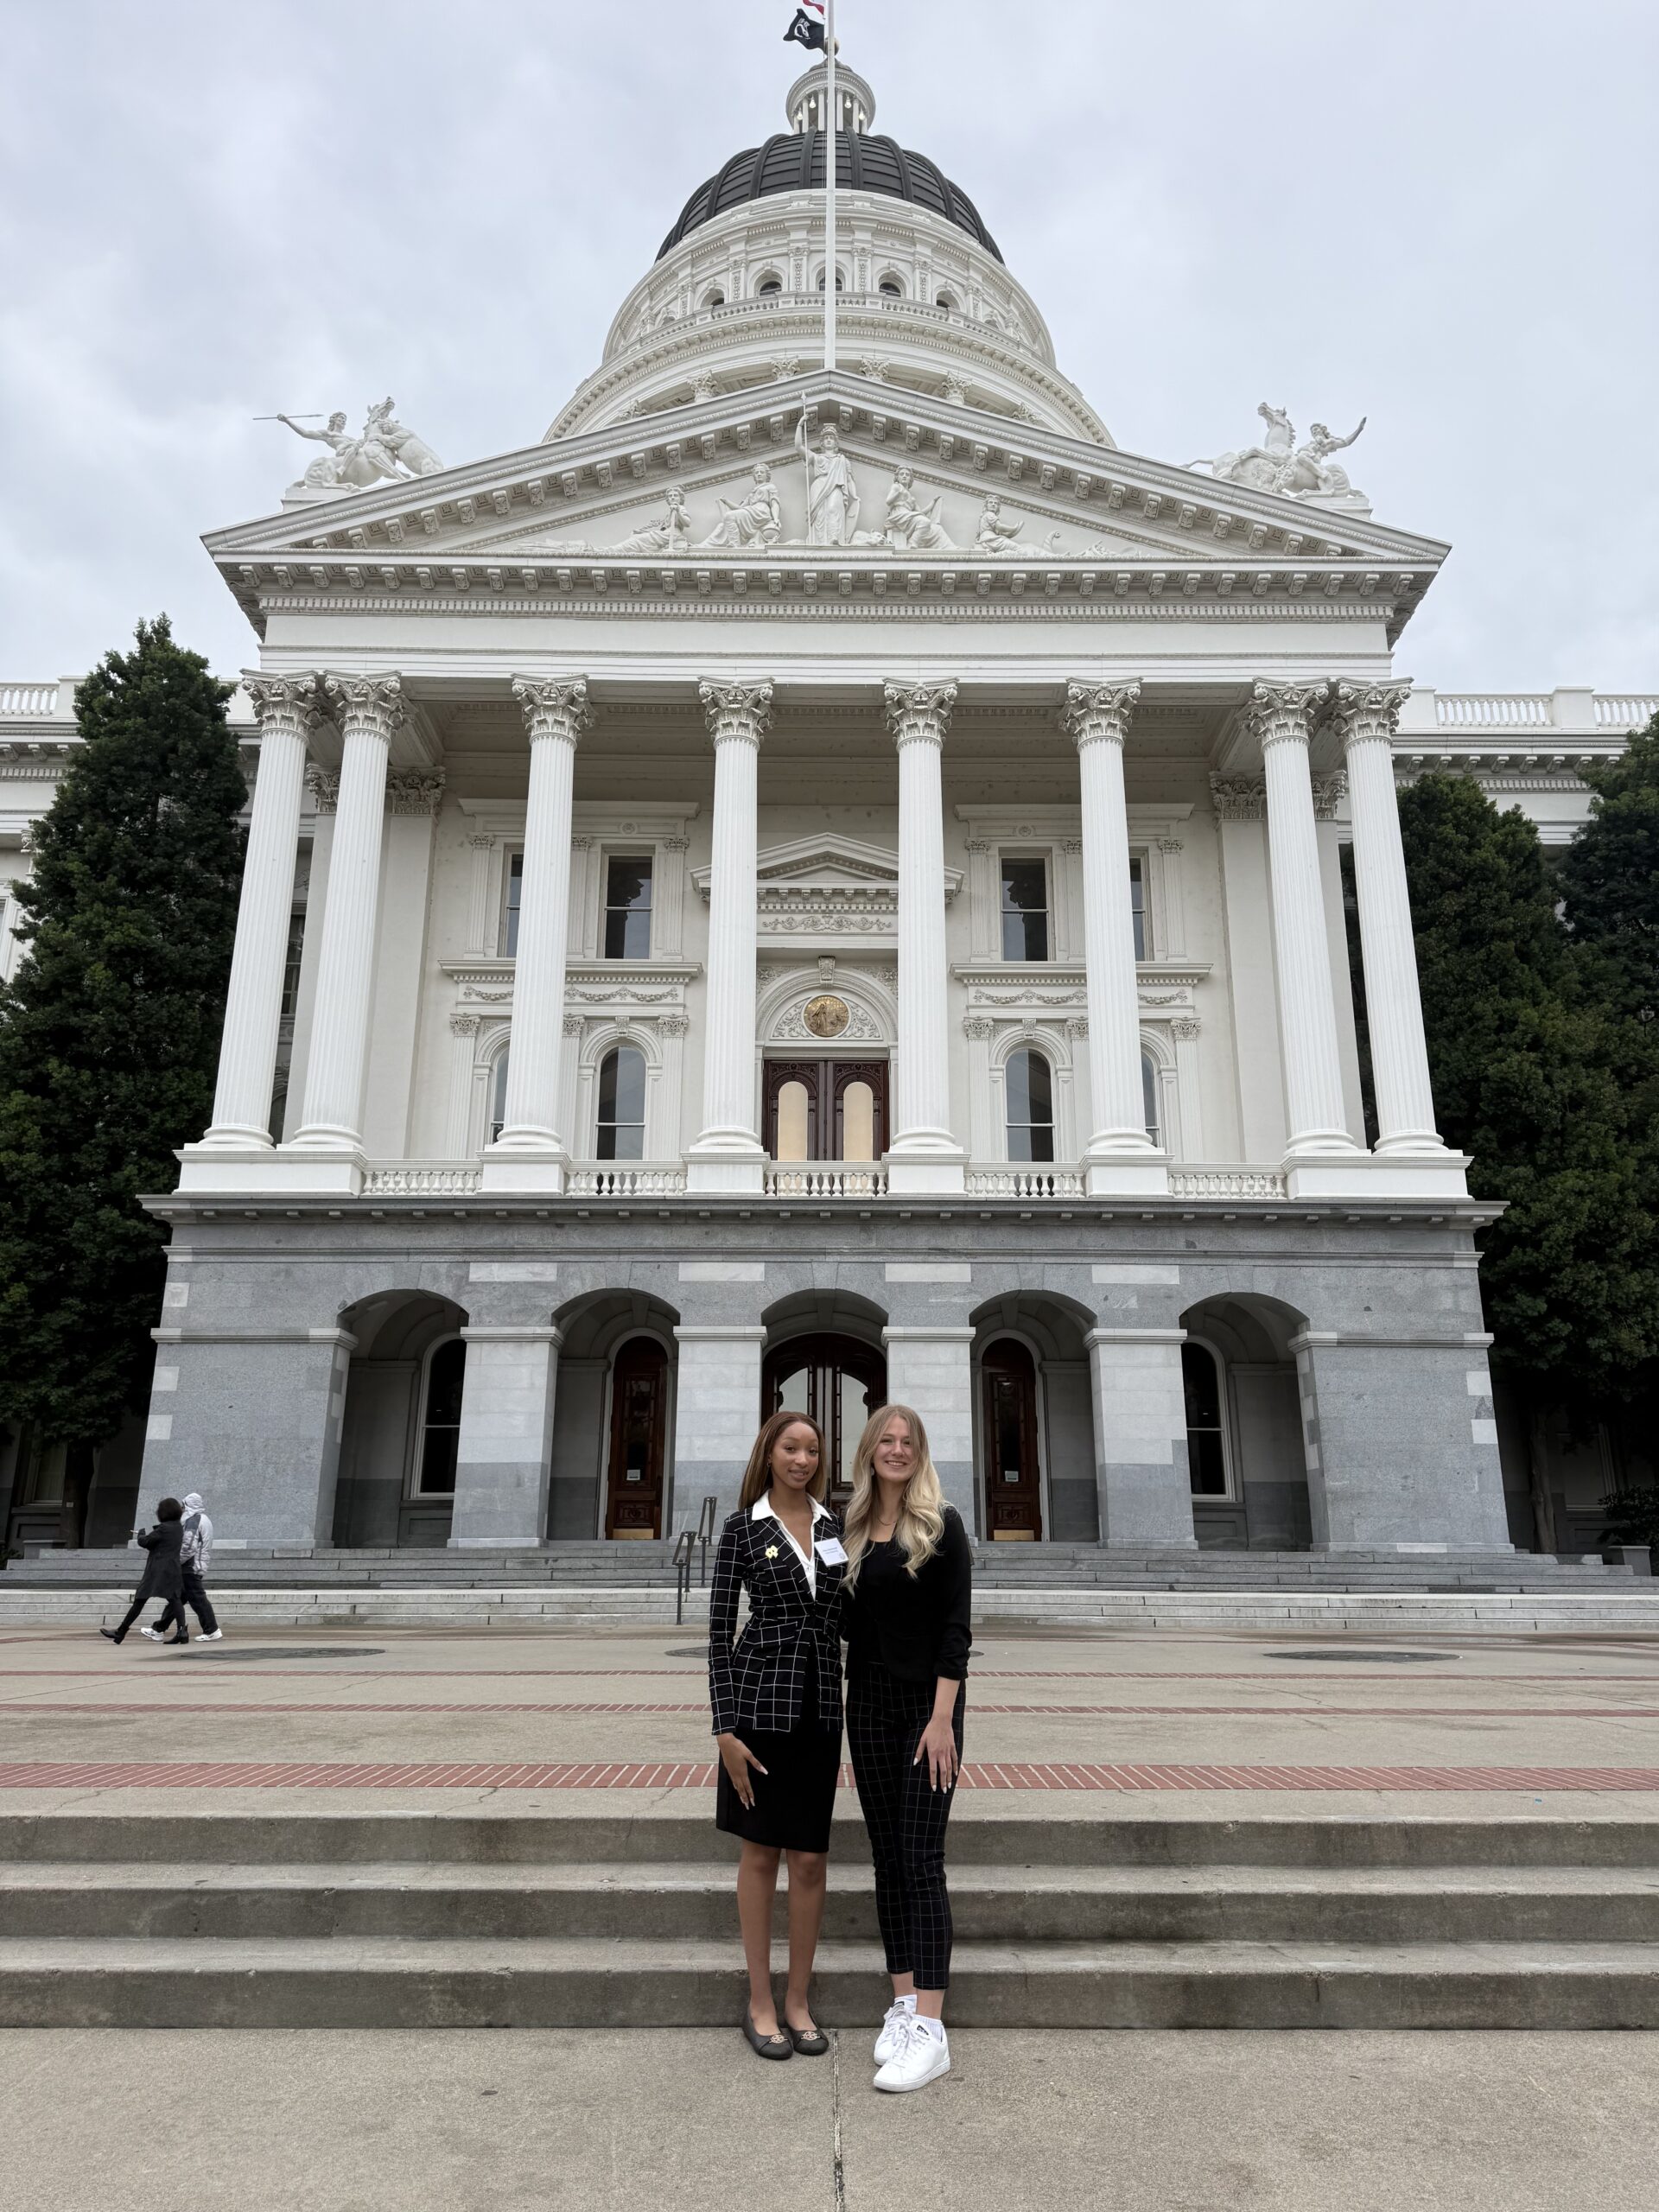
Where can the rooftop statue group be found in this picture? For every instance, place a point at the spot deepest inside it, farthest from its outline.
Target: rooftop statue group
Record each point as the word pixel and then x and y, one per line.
pixel 382 448
pixel 1280 465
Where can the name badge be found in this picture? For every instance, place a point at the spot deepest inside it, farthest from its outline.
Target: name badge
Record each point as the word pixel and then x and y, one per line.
pixel 831 1551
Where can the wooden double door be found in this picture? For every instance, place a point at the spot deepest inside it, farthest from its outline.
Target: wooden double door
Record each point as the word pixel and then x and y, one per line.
pixel 639 1441
pixel 1013 1474
pixel 826 1109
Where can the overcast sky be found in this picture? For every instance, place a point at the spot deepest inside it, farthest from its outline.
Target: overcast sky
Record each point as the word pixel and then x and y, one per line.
pixel 1438 214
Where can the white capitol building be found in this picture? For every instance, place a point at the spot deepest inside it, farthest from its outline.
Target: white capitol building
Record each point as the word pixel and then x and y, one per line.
pixel 803 888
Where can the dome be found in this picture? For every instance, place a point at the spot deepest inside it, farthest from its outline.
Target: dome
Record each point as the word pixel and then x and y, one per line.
pixel 865 162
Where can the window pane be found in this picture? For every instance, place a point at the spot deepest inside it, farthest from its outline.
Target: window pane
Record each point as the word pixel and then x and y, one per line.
pixel 1029 1089
pixel 628 907
pixel 858 1121
pixel 515 894
pixel 792 1132
pixel 438 1454
pixel 498 1100
pixel 1138 902
pixel 622 1104
pixel 1202 1387
pixel 1025 910
pixel 1006 1422
pixel 1149 1096
pixel 446 1377
pixel 1205 1465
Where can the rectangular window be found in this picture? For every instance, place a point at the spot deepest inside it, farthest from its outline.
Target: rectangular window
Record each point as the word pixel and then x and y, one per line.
pixel 627 906
pixel 1138 906
pixel 1025 910
pixel 511 899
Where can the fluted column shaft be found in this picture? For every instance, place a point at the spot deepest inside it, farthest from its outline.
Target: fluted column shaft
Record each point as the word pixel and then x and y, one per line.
pixel 247 1048
pixel 727 1153
pixel 367 709
pixel 1097 717
pixel 923 1155
pixel 1366 716
pixel 556 715
pixel 1308 1014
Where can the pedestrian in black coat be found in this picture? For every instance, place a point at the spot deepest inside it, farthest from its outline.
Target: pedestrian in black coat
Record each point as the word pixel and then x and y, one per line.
pixel 164 1575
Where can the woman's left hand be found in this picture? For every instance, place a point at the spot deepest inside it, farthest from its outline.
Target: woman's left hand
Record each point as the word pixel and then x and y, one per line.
pixel 938 1748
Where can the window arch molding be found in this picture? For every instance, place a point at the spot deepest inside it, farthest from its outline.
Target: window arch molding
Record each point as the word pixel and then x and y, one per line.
pixel 1055 1043
pixel 1158 1055
pixel 768 283
pixel 600 1041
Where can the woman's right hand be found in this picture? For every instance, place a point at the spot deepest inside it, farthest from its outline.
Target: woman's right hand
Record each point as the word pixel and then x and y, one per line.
pixel 737 1759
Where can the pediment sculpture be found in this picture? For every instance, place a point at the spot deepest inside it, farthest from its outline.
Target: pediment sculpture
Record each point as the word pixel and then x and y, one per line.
pixel 384 448
pixel 996 537
pixel 1280 465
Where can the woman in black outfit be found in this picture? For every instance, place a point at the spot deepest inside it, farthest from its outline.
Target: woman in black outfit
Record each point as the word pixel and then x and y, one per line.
pixel 164 1575
pixel 776 1696
pixel 906 1619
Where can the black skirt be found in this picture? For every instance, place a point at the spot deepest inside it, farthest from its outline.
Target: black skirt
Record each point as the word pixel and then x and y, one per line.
pixel 795 1798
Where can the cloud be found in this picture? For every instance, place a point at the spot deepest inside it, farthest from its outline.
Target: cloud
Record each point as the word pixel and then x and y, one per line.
pixel 1444 218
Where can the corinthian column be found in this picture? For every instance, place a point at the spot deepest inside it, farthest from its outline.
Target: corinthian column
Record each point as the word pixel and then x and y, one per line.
pixel 286 707
pixel 924 1156
pixel 367 709
pixel 1122 1157
pixel 727 1153
pixel 1307 1016
pixel 529 1155
pixel 1366 715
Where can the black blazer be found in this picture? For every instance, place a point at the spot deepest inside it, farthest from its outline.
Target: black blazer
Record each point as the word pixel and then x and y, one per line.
pixel 756 1683
pixel 919 1631
pixel 164 1575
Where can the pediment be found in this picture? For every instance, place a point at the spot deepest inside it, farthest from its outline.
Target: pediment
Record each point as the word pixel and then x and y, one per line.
pixel 827 886
pixel 720 488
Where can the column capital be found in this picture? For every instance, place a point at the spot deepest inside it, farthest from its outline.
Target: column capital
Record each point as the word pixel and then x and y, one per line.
pixel 554 706
pixel 1093 712
pixel 736 711
pixel 283 705
pixel 1282 714
pixel 919 713
pixel 367 706
pixel 1238 799
pixel 1366 712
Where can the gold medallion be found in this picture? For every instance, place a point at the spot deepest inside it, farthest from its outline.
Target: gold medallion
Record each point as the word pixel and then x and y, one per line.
pixel 827 1016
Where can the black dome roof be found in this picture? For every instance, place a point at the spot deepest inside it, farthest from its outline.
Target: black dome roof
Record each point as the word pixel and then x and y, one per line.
pixel 794 162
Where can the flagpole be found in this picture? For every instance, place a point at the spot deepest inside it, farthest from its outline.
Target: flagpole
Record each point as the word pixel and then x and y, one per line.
pixel 831 130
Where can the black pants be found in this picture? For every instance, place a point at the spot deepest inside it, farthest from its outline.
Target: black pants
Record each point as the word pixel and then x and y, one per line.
pixel 195 1596
pixel 170 1610
pixel 907 1818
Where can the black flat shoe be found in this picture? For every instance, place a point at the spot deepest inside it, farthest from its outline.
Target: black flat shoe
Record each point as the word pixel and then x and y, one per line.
pixel 766 2046
pixel 810 2042
pixel 111 1634
pixel 175 1639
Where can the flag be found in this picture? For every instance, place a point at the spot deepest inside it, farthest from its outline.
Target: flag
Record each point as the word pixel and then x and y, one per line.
pixel 808 28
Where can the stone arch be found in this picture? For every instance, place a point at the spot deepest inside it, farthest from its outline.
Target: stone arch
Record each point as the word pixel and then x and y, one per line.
pixel 594 1330
pixel 873 1005
pixel 1054 1330
pixel 378 1501
pixel 830 1343
pixel 1249 1335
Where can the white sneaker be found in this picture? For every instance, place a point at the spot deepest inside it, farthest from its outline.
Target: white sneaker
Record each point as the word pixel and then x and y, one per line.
pixel 925 2056
pixel 154 1634
pixel 891 2040
pixel 212 1635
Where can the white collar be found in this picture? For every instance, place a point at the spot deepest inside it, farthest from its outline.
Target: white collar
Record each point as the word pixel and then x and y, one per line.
pixel 761 1510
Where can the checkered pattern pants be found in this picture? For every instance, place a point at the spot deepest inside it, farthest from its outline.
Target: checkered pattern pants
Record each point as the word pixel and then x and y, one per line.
pixel 907 1820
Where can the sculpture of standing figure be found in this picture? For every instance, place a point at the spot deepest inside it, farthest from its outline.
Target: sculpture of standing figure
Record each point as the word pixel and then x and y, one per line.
pixel 671 535
pixel 911 528
pixel 831 490
pixel 756 519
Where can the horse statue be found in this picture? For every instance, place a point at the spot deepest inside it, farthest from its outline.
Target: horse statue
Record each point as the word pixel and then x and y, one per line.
pixel 1280 465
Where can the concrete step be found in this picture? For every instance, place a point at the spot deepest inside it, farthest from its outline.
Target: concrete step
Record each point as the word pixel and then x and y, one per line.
pixel 1006 1904
pixel 1071 1834
pixel 381 1982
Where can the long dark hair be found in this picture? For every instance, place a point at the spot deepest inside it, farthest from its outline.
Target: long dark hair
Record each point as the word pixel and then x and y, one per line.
pixel 757 1476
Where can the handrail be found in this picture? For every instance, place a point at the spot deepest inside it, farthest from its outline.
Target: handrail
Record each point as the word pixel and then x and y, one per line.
pixel 685 1544
pixel 705 1530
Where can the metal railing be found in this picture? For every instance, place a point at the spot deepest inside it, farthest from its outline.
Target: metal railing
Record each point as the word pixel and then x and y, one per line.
pixel 684 1547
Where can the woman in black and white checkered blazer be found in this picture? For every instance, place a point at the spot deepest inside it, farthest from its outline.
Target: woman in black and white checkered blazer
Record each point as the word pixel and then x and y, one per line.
pixel 775 1696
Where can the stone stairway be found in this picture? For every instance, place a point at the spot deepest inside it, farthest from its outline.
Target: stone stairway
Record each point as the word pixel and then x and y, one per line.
pixel 592 1917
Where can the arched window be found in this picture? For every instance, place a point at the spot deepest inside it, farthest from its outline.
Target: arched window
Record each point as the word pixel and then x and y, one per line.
pixel 714 299
pixel 622 1133
pixel 498 1096
pixel 770 285
pixel 946 300
pixel 890 288
pixel 841 281
pixel 1028 1086
pixel 1206 1450
pixel 446 1376
pixel 1149 1096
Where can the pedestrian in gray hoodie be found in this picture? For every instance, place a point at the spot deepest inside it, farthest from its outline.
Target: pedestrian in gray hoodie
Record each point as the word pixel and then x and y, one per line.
pixel 193 1556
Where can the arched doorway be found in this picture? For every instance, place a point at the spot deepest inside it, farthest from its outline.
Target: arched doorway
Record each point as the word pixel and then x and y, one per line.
pixel 402 1426
pixel 639 1441
pixel 1013 1473
pixel 839 1381
pixel 1246 1454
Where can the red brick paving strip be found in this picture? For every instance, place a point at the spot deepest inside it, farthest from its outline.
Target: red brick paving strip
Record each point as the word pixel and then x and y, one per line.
pixel 115 1707
pixel 688 1775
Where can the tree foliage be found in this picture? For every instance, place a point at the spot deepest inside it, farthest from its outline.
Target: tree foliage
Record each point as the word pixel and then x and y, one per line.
pixel 1543 1082
pixel 109 1031
pixel 1609 879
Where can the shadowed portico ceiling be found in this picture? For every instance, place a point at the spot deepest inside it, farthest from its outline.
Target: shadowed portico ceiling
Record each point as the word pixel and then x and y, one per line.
pixel 530 532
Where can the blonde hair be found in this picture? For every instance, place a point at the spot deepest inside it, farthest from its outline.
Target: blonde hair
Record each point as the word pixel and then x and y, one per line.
pixel 920 1524
pixel 757 1476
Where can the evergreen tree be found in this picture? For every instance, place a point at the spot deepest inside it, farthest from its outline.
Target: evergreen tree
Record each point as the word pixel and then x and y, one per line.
pixel 109 1031
pixel 1609 877
pixel 1532 1077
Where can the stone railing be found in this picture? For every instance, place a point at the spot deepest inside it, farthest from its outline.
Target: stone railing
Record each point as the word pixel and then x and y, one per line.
pixel 825 1178
pixel 1227 1183
pixel 1024 1183
pixel 1566 712
pixel 1621 710
pixel 423 1178
pixel 631 1178
pixel 29 698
